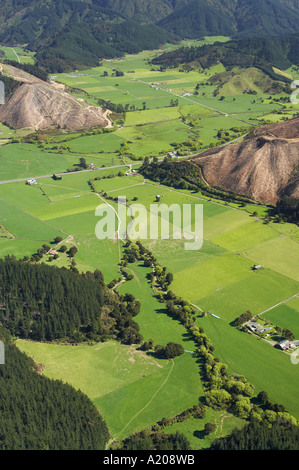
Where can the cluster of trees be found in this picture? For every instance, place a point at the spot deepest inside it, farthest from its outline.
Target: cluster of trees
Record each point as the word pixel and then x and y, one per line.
pixel 10 85
pixel 179 174
pixel 38 413
pixel 288 207
pixel 44 249
pixel 120 108
pixel 46 303
pixel 243 318
pixel 170 351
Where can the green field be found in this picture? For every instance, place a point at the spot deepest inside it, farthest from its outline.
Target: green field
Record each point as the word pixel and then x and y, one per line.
pixel 18 54
pixel 95 370
pixel 167 392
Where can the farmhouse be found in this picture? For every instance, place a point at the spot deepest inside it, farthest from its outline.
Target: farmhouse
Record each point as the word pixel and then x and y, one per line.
pixel 53 252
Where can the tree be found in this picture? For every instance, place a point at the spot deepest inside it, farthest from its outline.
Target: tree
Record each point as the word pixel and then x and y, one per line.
pixel 73 251
pixel 169 278
pixel 263 397
pixel 171 350
pixel 288 334
pixel 83 163
pixel 57 240
pixel 209 428
pixel 218 399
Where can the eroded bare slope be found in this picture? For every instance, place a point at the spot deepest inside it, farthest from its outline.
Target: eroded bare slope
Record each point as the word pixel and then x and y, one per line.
pixel 41 105
pixel 264 167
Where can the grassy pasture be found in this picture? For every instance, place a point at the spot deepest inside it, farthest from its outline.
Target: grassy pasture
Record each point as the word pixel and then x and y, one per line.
pixel 166 392
pixel 107 143
pixel 27 161
pixel 256 292
pixel 280 254
pixel 152 139
pixel 246 236
pixel 22 225
pixel 20 247
pixel 18 54
pixel 21 195
pixel 76 205
pixel 96 370
pixel 152 115
pixel 210 276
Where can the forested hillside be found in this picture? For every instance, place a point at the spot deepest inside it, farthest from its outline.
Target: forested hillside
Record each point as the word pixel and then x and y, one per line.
pixel 72 33
pixel 240 18
pixel 42 414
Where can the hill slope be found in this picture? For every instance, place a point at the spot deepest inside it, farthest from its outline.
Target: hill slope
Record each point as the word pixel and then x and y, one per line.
pixel 264 167
pixel 73 33
pixel 38 104
pixel 240 18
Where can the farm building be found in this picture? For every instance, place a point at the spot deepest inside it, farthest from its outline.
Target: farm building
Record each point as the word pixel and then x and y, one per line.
pixel 285 344
pixel 31 181
pixel 256 267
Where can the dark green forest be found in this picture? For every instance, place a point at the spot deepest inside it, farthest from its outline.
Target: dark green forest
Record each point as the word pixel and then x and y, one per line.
pixel 46 303
pixel 37 413
pixel 260 436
